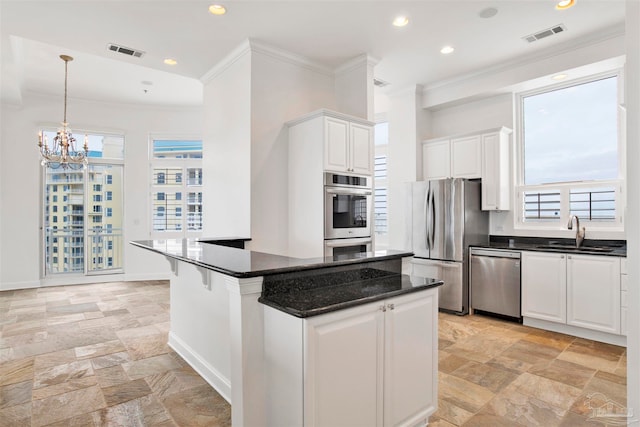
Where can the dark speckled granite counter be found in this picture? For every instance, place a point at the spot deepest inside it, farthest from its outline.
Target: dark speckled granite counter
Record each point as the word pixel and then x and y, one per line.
pixel 334 289
pixel 546 244
pixel 243 263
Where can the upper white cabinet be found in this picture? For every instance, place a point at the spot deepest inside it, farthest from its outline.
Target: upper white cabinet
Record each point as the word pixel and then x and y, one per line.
pixel 348 146
pixel 496 168
pixel 577 290
pixel 436 159
pixel 370 365
pixel 466 155
pixel 452 158
pixel 482 155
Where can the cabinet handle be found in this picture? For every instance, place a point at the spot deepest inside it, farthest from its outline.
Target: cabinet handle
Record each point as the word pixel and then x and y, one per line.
pixel 391 306
pixel 561 256
pixel 568 256
pixel 382 308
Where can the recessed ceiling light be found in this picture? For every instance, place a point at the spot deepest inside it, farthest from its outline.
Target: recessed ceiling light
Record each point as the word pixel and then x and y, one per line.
pixel 447 50
pixel 400 21
pixel 565 4
pixel 489 12
pixel 560 77
pixel 217 9
pixel 170 61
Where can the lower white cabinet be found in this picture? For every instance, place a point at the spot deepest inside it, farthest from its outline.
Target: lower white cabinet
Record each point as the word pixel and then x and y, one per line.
pixel 624 287
pixel 544 286
pixel 579 290
pixel 371 365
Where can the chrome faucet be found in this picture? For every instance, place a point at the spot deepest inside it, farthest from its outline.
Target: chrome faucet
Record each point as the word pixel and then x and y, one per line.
pixel 579 231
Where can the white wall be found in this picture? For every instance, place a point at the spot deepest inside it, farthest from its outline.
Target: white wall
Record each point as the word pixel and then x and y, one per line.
pixel 20 179
pixel 280 91
pixel 227 150
pixel 487 113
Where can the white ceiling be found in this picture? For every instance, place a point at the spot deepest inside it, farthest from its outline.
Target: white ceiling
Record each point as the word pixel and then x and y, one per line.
pixel 35 33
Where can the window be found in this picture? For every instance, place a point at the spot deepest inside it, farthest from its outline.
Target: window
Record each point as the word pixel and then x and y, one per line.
pixel 569 155
pixel 176 167
pixel 109 212
pixel 380 183
pixel 80 198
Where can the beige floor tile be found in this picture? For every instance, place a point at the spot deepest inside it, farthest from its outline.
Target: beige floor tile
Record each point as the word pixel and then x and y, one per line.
pixel 200 406
pixel 16 416
pixel 67 405
pixel 566 372
pixel 463 393
pixel 124 392
pixel 554 393
pixel 15 394
pixel 487 376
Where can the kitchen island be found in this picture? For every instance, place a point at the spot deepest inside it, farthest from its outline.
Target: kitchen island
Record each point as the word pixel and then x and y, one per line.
pixel 279 337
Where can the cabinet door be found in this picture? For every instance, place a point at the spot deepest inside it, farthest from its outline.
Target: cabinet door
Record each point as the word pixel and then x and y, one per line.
pixel 411 358
pixel 343 367
pixel 436 160
pixel 593 292
pixel 466 157
pixel 361 152
pixel 544 286
pixel 496 188
pixel 336 150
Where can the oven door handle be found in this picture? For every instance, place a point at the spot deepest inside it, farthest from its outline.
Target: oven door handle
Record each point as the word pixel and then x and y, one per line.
pixel 355 191
pixel 347 242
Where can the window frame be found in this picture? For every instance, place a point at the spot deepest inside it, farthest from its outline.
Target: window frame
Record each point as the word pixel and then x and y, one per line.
pixel 520 223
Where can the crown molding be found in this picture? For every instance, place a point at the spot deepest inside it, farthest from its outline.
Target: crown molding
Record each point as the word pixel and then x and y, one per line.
pixel 250 46
pixel 593 39
pixel 231 58
pixel 289 57
pixel 356 62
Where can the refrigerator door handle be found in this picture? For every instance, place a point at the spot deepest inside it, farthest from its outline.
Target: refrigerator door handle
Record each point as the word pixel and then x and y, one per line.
pixel 427 211
pixel 433 219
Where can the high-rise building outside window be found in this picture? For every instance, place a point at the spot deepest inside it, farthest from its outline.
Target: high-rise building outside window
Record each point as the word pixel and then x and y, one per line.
pixel 176 168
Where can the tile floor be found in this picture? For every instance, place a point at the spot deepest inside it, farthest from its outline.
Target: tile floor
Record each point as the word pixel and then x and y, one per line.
pixel 96 355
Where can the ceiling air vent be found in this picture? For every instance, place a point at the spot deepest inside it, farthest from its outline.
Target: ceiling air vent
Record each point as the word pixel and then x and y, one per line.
pixel 380 83
pixel 545 33
pixel 125 50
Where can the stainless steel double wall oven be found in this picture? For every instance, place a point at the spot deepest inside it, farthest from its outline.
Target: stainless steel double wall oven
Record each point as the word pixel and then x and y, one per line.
pixel 348 202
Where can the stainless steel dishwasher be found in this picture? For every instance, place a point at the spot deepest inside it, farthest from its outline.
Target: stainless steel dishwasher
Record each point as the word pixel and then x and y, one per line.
pixel 495 281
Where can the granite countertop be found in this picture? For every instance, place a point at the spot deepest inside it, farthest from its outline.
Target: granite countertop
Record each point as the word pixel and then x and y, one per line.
pixel 545 244
pixel 324 293
pixel 244 263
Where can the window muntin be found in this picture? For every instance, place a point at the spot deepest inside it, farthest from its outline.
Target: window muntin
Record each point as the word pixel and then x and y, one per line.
pixel 569 148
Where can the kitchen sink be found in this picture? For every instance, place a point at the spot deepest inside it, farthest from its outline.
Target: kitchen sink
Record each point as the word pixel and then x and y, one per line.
pixel 573 248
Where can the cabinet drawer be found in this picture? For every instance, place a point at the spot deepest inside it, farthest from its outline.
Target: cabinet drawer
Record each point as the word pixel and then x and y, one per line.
pixel 624 282
pixel 623 266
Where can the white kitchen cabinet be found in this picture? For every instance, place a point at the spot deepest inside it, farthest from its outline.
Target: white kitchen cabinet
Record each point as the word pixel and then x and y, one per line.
pixel 348 146
pixel 544 286
pixel 436 159
pixel 466 157
pixel 496 182
pixel 577 290
pixel 593 292
pixel 484 155
pixel 371 365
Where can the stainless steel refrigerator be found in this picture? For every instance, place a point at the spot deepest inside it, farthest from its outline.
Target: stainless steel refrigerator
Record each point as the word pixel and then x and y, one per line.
pixel 447 219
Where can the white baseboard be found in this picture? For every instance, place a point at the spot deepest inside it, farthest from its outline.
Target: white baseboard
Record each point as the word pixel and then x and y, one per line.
pixel 575 331
pixel 12 286
pixel 147 276
pixel 206 371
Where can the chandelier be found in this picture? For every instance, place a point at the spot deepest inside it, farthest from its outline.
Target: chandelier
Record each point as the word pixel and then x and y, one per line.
pixel 63 152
